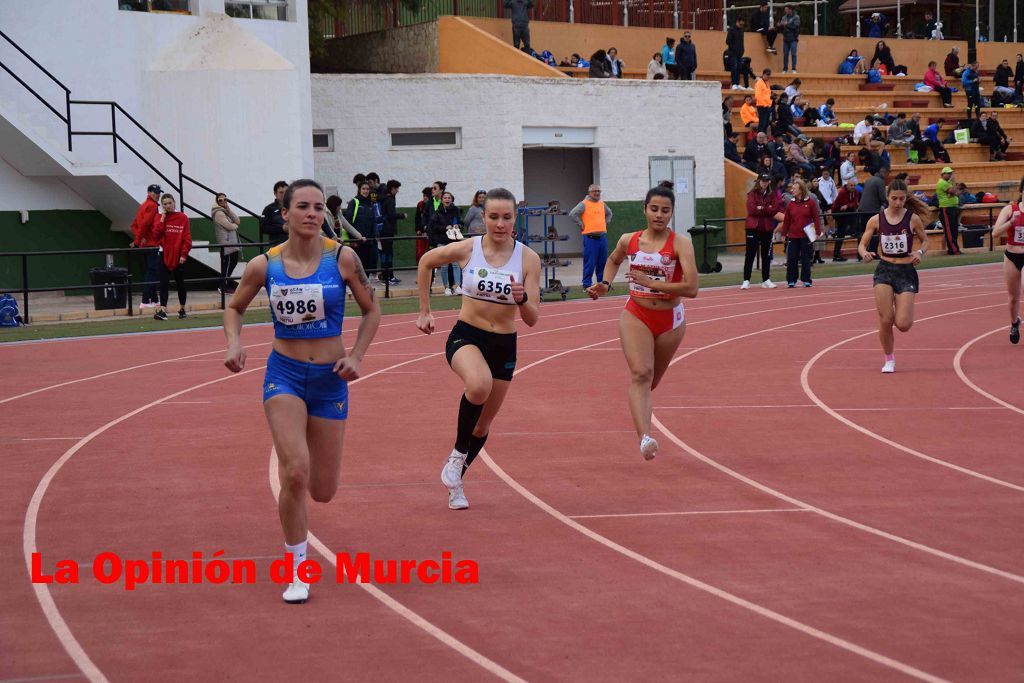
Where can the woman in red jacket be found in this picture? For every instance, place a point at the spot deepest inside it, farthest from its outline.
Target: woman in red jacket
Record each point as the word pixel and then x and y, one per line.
pixel 800 214
pixel 759 226
pixel 172 233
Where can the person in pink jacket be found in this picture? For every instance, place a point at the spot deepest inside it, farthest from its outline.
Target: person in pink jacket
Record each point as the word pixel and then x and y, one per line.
pixel 934 80
pixel 171 231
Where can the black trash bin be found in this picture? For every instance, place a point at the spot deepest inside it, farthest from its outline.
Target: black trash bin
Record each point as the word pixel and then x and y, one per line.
pixel 704 236
pixel 112 291
pixel 973 235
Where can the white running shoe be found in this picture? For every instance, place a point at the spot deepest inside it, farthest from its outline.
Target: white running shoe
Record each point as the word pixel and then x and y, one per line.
pixel 296 593
pixel 648 447
pixel 890 366
pixel 447 291
pixel 745 285
pixel 458 290
pixel 457 499
pixel 451 473
pixel 768 284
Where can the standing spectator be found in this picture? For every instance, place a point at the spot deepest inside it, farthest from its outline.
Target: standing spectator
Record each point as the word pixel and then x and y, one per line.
pixel 876 26
pixel 360 214
pixel 225 228
pixel 763 99
pixel 593 216
pixel 422 220
pixel 474 218
pixel 655 68
pixel 932 28
pixel 344 230
pixel 389 229
pixel 599 67
pixel 873 199
pixel 848 169
pixel 519 12
pixel 1018 79
pixel 1002 82
pixel 827 189
pixel 971 80
pixel 615 64
pixel 934 80
pixel 174 237
pixel 734 44
pixel 761 22
pixel 443 229
pixel 759 226
pixel 949 210
pixel 883 55
pixel 802 212
pixel 686 58
pixel 272 222
pixel 142 228
pixel 668 57
pixel 845 203
pixel 789 25
pixel 951 66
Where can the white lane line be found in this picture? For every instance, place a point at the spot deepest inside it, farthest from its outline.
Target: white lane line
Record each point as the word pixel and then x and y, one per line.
pixel 784 405
pixel 688 513
pixel 806 386
pixel 958 367
pixel 184 402
pixel 926 409
pixel 706 587
pixel 440 634
pixel 902 349
pixel 35 679
pixel 588 431
pixel 51 438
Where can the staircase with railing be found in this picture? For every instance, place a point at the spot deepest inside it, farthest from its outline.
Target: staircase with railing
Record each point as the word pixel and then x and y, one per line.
pixel 109 188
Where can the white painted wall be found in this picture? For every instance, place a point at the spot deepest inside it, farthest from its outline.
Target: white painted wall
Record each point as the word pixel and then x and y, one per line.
pixel 634 120
pixel 21 193
pixel 229 96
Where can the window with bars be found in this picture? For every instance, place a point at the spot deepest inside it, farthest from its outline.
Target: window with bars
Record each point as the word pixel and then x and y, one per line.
pixel 257 9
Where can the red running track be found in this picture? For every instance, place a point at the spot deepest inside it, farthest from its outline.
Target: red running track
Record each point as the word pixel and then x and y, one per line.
pixel 806 519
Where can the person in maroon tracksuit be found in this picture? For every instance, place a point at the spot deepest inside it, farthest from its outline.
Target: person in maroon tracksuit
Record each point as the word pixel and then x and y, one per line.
pixel 171 231
pixel 802 212
pixel 760 223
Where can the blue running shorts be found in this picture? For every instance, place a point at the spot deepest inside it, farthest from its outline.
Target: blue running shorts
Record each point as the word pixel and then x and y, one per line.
pixel 325 394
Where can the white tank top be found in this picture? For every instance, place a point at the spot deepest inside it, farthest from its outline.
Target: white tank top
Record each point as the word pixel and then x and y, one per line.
pixel 485 282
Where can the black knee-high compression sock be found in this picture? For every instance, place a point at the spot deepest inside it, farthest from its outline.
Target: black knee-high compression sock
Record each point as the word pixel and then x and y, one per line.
pixel 476 443
pixel 469 413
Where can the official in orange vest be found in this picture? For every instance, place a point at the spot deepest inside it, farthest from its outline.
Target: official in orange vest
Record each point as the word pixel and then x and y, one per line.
pixel 593 216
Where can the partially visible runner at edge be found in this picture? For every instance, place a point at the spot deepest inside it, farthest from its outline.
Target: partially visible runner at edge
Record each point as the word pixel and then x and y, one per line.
pixel 500 276
pixel 305 389
pixel 662 270
pixel 895 281
pixel 1011 224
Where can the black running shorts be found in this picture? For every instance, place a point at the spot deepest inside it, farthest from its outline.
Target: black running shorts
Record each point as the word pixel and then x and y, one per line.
pixel 499 350
pixel 902 277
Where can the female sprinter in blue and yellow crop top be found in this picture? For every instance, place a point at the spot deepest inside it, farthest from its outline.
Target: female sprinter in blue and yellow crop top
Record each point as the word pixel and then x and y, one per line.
pixel 662 271
pixel 499 277
pixel 305 391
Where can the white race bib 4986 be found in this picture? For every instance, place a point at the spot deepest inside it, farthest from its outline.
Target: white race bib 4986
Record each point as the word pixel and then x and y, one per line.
pixel 297 304
pixel 894 244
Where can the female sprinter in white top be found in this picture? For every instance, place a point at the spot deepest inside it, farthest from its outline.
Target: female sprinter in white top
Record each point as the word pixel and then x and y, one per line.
pixel 499 277
pixel 305 390
pixel 895 282
pixel 662 270
pixel 1011 224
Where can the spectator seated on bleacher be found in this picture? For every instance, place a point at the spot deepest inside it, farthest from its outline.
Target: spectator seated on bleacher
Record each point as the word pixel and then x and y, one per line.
pixel 784 118
pixel 853 64
pixel 826 115
pixel 755 149
pixel 655 67
pixel 599 66
pixel 1002 93
pixel 951 67
pixel 965 196
pixel 731 151
pixel 899 134
pixel 748 113
pixel 983 130
pixel 934 80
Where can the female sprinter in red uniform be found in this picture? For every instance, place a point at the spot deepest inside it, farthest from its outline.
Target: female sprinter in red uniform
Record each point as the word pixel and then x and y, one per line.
pixel 1011 224
pixel 662 270
pixel 305 390
pixel 481 348
pixel 895 281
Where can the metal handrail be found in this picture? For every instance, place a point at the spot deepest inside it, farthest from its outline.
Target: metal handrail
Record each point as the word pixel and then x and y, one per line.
pixel 38 65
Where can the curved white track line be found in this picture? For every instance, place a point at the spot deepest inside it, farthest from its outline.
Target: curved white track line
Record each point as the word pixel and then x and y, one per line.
pixel 706 587
pixel 806 386
pixel 963 376
pixel 29 544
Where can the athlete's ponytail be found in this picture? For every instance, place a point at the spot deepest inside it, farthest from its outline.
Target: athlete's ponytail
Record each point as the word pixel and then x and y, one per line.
pixel 915 205
pixel 499 194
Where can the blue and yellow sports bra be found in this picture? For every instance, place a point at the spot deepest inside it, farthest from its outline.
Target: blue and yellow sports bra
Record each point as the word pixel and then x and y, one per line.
pixel 311 307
